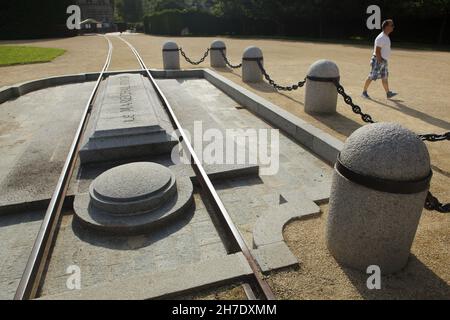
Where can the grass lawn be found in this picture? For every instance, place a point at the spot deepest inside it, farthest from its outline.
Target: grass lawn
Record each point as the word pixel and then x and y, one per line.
pixel 12 55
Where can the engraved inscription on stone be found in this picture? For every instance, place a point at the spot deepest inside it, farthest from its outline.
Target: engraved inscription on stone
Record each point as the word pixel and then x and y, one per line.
pixel 126 100
pixel 126 105
pixel 126 121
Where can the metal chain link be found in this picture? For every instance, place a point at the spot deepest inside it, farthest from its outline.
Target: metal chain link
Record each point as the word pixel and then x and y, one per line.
pixel 433 204
pixel 277 86
pixel 348 100
pixel 194 62
pixel 237 66
pixel 432 137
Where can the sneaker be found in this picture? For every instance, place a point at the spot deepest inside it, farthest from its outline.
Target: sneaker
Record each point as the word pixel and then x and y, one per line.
pixel 365 95
pixel 391 94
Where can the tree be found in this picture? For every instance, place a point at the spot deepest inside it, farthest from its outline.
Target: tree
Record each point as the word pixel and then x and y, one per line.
pixel 441 8
pixel 130 10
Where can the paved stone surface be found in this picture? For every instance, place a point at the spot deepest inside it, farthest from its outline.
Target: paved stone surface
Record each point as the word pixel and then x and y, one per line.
pixel 36 131
pixel 156 285
pixel 17 235
pixel 268 228
pixel 300 176
pixel 274 256
pixel 202 108
pixel 368 227
pixel 128 121
pixel 322 144
pixel 104 258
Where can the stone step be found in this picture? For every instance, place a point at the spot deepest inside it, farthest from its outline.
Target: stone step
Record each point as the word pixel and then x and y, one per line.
pixel 128 121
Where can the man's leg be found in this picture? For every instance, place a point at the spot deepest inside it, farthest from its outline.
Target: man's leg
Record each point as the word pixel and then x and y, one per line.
pixel 385 84
pixel 389 93
pixel 367 84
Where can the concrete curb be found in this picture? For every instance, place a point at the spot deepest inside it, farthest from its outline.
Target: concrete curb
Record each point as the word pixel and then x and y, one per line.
pixel 20 89
pixel 324 145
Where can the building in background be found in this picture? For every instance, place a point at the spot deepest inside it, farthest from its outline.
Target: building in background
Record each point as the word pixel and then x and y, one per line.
pixel 97 15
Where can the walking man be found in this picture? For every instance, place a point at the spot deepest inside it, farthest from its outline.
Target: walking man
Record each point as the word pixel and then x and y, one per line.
pixel 379 62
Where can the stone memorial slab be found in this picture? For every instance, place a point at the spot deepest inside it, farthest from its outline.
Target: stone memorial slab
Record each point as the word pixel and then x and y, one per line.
pixel 128 121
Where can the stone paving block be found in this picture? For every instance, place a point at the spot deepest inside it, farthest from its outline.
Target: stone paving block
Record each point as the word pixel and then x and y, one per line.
pixel 269 227
pixel 274 256
pixel 156 285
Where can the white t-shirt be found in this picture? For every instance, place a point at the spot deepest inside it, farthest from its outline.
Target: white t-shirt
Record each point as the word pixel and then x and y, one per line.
pixel 384 42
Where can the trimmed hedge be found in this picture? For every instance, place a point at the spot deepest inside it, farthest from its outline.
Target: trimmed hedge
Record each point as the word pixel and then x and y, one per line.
pixel 26 19
pixel 173 21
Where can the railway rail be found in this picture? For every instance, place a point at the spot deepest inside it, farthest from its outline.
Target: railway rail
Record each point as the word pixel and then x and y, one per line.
pixel 254 286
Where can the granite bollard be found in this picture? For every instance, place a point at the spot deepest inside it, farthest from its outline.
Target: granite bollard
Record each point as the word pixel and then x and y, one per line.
pixel 320 92
pixel 171 56
pixel 380 183
pixel 216 57
pixel 250 69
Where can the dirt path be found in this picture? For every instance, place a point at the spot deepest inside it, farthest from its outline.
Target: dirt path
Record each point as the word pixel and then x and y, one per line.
pixel 84 54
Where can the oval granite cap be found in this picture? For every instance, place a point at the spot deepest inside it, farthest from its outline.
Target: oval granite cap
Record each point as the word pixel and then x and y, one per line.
pixel 387 151
pixel 133 188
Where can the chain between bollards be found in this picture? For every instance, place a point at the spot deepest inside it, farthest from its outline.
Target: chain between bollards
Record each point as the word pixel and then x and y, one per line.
pixel 237 66
pixel 194 62
pixel 431 203
pixel 348 100
pixel 432 137
pixel 275 85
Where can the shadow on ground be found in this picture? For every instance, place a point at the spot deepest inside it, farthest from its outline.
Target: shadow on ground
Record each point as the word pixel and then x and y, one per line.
pixel 415 281
pixel 338 123
pixel 400 106
pixel 131 242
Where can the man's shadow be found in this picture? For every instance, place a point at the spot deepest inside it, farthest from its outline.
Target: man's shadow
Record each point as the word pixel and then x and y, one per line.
pixel 415 113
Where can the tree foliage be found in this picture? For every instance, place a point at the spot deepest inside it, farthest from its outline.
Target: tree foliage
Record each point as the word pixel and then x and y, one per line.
pixel 21 19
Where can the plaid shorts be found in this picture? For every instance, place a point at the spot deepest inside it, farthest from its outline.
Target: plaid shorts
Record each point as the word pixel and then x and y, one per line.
pixel 379 70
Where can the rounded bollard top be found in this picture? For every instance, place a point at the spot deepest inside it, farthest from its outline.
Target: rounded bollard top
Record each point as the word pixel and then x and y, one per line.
pixel 253 52
pixel 324 69
pixel 170 45
pixel 216 44
pixel 387 151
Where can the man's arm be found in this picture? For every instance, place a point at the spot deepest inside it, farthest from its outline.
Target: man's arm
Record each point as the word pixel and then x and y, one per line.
pixel 378 53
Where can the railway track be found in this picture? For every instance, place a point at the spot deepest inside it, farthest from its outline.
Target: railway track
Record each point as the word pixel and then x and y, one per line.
pixel 254 286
